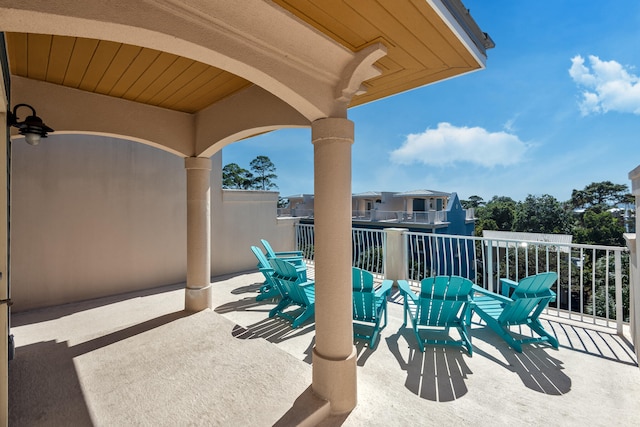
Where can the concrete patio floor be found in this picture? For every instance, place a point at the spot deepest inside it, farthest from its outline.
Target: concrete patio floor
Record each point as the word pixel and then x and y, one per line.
pixel 139 359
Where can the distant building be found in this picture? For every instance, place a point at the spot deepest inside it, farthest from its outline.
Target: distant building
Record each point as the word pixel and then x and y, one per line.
pixel 417 210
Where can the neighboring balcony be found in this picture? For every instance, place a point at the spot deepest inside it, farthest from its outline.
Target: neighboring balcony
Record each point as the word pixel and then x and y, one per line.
pixel 398 217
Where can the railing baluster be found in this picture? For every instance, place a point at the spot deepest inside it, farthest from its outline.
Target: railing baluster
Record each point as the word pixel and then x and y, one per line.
pixel 427 254
pixel 619 302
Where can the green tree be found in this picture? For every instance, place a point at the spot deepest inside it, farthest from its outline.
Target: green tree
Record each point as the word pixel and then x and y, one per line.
pixel 233 176
pixel 497 214
pixel 473 202
pixel 543 214
pixel 599 194
pixel 599 228
pixel 264 170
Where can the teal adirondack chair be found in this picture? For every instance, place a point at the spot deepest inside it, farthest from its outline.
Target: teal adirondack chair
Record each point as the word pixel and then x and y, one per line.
pixel 270 287
pixel 444 302
pixel 520 304
pixel 294 257
pixel 369 305
pixel 295 291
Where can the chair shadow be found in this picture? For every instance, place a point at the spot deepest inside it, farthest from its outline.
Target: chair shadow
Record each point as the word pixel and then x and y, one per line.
pixel 438 374
pixel 244 304
pixel 274 330
pixel 252 288
pixel 537 370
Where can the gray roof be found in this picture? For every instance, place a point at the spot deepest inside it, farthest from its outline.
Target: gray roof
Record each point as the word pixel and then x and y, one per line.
pixel 422 193
pixel 367 194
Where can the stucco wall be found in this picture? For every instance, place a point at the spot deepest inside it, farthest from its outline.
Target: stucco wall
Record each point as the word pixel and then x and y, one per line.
pixel 95 216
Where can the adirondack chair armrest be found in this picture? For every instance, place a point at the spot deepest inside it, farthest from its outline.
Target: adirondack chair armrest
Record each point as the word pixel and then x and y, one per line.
pixel 307 283
pixel 478 289
pixel 385 288
pixel 289 254
pixel 405 290
pixel 265 270
pixel 507 284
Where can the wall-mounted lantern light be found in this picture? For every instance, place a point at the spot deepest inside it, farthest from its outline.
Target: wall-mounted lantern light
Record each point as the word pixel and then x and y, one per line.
pixel 32 127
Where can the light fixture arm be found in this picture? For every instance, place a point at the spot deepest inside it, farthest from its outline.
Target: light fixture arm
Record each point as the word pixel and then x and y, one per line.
pixel 33 128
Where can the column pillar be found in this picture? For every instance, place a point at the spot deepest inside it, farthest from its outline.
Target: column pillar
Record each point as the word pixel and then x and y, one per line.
pixel 334 355
pixel 197 295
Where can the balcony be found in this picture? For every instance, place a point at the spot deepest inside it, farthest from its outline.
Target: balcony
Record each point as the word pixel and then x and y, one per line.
pixel 140 359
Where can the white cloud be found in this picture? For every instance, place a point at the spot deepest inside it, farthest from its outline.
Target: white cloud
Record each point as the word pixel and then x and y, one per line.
pixel 449 144
pixel 608 86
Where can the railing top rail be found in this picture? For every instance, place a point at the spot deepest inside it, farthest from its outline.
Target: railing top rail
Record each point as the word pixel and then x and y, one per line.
pixel 518 241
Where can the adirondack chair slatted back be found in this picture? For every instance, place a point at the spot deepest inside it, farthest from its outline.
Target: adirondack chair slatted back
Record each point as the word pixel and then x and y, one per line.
pixel 286 274
pixel 530 297
pixel 441 299
pixel 268 248
pixel 262 260
pixel 364 301
pixel 266 269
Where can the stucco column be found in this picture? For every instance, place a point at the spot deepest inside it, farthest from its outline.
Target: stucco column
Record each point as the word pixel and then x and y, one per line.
pixel 198 292
pixel 334 355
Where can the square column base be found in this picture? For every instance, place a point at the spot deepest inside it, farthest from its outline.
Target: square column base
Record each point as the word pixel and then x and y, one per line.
pixel 335 381
pixel 198 299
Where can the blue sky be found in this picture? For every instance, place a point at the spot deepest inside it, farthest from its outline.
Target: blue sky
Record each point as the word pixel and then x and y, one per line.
pixel 557 108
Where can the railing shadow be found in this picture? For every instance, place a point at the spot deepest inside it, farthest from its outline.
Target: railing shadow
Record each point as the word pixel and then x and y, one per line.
pixel 438 374
pixel 594 342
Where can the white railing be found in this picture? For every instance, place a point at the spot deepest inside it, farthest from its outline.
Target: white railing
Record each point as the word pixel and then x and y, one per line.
pixel 592 286
pixel 418 217
pixel 593 281
pixel 470 213
pixel 367 249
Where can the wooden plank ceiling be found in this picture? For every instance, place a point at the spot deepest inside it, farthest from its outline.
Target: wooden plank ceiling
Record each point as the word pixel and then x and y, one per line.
pixel 421 50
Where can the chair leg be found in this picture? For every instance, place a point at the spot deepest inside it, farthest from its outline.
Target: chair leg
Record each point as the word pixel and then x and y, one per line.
pixel 308 312
pixel 404 314
pixel 281 305
pixel 268 294
pixel 537 327
pixel 420 343
pixel 506 335
pixel 466 338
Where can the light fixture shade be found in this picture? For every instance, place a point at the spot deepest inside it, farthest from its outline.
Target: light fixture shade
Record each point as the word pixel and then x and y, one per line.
pixel 32 128
pixel 32 138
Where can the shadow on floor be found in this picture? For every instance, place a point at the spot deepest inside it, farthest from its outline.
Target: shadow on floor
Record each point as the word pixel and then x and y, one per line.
pixel 438 374
pixel 21 318
pixel 45 389
pixel 44 383
pixel 245 304
pixel 537 370
pixel 595 342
